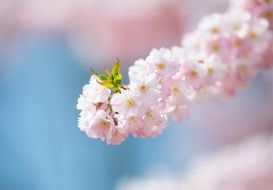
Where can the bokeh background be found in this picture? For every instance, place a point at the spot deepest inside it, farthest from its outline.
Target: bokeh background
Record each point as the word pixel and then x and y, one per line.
pixel 47 48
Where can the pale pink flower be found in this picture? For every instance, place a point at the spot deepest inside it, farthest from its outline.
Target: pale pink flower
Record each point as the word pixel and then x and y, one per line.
pixel 218 45
pixel 86 116
pixel 131 124
pixel 83 102
pixel 125 103
pixel 102 126
pixel 192 41
pixel 216 70
pixel 162 62
pixel 238 22
pixel 146 88
pixel 180 94
pixel 258 8
pixel 213 24
pixel 153 123
pixel 139 69
pixel 96 92
pixel 193 69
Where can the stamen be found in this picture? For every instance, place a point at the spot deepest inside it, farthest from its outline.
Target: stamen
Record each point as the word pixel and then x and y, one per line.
pixel 214 30
pixel 143 88
pixel 160 66
pixel 130 102
pixel 193 74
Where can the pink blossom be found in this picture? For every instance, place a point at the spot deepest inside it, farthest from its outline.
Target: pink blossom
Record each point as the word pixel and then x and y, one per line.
pixel 258 8
pixel 125 103
pixel 147 88
pixel 132 124
pixel 162 62
pixel 96 92
pixel 153 123
pixel 219 58
pixel 102 126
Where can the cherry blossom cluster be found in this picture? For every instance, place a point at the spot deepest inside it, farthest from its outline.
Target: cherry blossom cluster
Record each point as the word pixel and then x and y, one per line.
pixel 258 8
pixel 217 59
pixel 238 41
pixel 261 9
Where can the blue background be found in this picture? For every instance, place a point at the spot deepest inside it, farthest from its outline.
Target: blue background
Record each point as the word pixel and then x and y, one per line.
pixel 40 145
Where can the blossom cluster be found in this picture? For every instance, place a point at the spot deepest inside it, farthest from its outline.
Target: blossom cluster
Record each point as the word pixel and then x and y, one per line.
pixel 238 40
pixel 217 59
pixel 260 9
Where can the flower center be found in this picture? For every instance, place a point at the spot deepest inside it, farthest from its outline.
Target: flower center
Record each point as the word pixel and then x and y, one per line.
pixel 160 66
pixel 238 42
pixel 130 102
pixel 214 30
pixel 215 47
pixel 252 35
pixel 236 27
pixel 175 90
pixel 193 74
pixel 104 123
pixel 149 115
pixel 143 88
pixel 210 71
pixel 131 121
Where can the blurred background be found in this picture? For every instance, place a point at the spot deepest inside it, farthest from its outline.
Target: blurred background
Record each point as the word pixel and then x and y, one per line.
pixel 47 48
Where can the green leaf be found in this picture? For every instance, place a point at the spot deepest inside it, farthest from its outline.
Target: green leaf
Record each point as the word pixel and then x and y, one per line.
pixel 111 80
pixel 116 67
pixel 116 74
pixel 106 84
pixel 100 76
pixel 118 79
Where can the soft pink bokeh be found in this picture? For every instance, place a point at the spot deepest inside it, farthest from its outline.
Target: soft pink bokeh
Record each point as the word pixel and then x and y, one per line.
pixel 104 30
pixel 243 166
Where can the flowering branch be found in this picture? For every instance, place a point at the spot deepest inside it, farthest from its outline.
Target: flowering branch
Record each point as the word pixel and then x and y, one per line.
pixel 219 58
